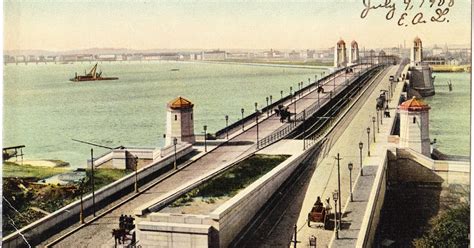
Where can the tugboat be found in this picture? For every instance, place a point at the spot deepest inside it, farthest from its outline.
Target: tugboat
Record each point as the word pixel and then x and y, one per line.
pixel 93 75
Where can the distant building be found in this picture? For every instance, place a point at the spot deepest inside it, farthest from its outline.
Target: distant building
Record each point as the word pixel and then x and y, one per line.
pixel 168 56
pixel 311 54
pixel 294 55
pixel 437 51
pixel 214 55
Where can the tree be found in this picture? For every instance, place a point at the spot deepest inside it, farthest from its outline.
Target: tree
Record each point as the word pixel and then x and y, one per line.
pixel 449 229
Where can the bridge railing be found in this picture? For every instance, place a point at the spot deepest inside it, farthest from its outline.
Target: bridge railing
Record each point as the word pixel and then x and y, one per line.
pixel 236 125
pixel 300 117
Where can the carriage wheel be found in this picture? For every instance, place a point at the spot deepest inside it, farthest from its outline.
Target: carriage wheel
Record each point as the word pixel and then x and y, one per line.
pixel 325 221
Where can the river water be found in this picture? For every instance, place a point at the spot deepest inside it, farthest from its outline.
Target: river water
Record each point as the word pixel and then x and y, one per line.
pixel 45 111
pixel 450 113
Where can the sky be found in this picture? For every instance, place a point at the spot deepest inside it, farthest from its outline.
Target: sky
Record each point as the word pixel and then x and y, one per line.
pixel 59 25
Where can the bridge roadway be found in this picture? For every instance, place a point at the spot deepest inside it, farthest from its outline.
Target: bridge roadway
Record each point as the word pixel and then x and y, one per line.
pixel 320 179
pixel 239 144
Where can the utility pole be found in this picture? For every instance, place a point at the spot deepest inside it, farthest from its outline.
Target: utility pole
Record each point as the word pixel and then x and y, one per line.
pixel 136 173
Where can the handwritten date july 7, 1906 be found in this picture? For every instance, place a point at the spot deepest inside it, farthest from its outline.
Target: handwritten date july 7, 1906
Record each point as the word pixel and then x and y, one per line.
pixel 413 12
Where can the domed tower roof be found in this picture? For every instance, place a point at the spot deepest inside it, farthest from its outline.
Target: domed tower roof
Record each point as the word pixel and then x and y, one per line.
pixel 341 42
pixel 354 43
pixel 414 104
pixel 417 40
pixel 382 53
pixel 180 103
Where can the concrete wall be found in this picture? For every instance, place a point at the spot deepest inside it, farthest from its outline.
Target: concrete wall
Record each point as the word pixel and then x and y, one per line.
pixel 436 165
pixel 117 158
pixel 154 234
pixel 236 213
pixel 228 219
pixel 371 220
pixel 411 166
pixel 44 227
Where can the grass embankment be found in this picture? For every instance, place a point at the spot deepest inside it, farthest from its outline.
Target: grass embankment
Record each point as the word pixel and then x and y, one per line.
pixel 22 195
pixel 11 169
pixel 232 181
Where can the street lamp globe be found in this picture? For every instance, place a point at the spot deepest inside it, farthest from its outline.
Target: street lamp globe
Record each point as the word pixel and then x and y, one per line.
pixel 350 166
pixel 368 130
pixel 335 195
pixel 361 145
pixel 175 141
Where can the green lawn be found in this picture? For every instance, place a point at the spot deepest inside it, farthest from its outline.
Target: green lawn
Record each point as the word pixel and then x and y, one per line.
pixel 11 169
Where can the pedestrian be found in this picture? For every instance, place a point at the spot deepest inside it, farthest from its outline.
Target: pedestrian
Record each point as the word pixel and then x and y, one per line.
pixel 131 220
pixel 121 221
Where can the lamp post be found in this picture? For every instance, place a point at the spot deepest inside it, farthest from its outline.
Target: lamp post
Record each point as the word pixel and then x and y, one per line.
pixel 135 163
pixel 205 138
pixel 339 185
pixel 226 126
pixel 368 141
pixel 361 145
pixel 281 94
pixel 256 120
pixel 335 196
pixel 81 214
pixel 92 181
pixel 350 166
pixel 291 90
pixel 304 129
pixel 271 99
pixel 378 112
pixel 316 79
pixel 175 142
pixel 373 126
pixel 242 111
pixel 267 106
pixel 318 92
pixel 294 105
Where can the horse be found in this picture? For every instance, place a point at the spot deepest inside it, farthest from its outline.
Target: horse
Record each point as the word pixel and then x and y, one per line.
pixel 119 235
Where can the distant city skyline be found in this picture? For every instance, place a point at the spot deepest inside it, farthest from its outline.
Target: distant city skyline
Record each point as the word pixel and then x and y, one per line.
pixel 71 25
